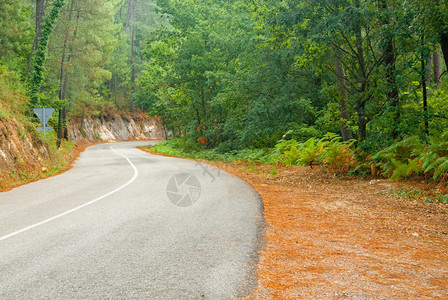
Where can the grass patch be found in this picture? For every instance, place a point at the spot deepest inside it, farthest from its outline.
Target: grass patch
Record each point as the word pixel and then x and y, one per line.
pixel 431 196
pixel 182 147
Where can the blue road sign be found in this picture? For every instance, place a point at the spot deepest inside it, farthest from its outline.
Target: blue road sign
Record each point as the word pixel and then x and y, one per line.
pixel 44 114
pixel 45 129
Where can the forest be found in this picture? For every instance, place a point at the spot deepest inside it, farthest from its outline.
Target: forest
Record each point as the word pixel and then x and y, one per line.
pixel 357 85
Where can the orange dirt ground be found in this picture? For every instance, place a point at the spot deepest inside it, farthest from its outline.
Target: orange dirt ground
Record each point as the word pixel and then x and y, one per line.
pixel 330 237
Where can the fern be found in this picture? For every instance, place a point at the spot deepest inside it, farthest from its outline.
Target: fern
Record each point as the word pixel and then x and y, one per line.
pixel 404 170
pixel 309 152
pixel 439 145
pixel 442 168
pixel 429 160
pixel 399 171
pixel 414 167
pixel 291 156
pixel 336 154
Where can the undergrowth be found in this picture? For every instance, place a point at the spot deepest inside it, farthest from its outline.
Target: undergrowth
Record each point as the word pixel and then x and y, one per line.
pixel 328 151
pixel 407 158
pixel 410 157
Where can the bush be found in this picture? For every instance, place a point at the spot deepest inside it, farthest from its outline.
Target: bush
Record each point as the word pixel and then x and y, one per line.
pixel 336 154
pixel 329 151
pixel 410 157
pixel 301 132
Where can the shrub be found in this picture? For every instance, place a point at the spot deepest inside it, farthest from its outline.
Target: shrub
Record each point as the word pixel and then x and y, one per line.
pixel 336 154
pixel 410 157
pixel 329 151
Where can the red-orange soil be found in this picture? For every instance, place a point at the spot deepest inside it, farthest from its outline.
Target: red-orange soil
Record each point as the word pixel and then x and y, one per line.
pixel 329 237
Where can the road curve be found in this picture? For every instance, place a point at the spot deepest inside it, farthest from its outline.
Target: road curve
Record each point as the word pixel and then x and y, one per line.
pixel 126 224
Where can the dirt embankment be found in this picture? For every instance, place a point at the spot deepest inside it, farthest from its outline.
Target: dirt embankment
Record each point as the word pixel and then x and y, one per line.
pixel 21 155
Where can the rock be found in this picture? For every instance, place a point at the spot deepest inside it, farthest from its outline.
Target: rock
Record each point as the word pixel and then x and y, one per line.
pixel 117 128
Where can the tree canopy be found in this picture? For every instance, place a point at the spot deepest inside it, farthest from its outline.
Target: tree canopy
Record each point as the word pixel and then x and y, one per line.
pixel 232 74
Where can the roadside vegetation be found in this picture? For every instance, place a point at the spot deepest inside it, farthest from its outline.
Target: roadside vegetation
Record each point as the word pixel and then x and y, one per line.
pixel 358 87
pixel 18 132
pixel 409 159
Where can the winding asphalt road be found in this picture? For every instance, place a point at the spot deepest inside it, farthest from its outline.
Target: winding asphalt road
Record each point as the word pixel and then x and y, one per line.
pixel 126 224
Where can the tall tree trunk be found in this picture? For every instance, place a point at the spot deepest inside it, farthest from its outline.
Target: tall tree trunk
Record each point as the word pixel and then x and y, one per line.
pixel 203 105
pixel 115 89
pixel 70 52
pixel 443 34
pixel 343 110
pixel 428 71
pixel 132 52
pixel 40 11
pixel 30 58
pixel 64 121
pixel 362 120
pixel 437 61
pixel 59 127
pixel 425 94
pixel 362 77
pixel 63 77
pixel 391 80
pixel 69 58
pixel 198 118
pixel 444 44
pixel 62 92
pixel 128 16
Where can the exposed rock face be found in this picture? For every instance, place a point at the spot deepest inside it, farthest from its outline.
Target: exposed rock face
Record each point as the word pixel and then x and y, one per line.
pixel 116 128
pixel 20 153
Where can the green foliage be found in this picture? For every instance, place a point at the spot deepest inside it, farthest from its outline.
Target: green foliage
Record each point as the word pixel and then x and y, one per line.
pixel 258 81
pixel 242 75
pixel 13 101
pixel 301 132
pixel 335 153
pixel 404 170
pixel 208 77
pixel 16 33
pixel 3 68
pixel 441 171
pixel 182 147
pixel 290 151
pixel 410 157
pixel 41 53
pixel 329 151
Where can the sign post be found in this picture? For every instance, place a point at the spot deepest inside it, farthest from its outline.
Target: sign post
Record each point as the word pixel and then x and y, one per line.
pixel 44 115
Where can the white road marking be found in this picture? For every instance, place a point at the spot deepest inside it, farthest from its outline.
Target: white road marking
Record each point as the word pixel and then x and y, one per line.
pixel 78 207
